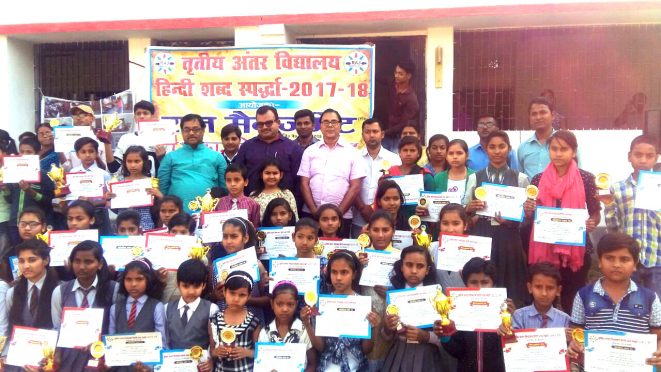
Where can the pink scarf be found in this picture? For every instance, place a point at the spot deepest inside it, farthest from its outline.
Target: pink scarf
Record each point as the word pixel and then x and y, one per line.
pixel 571 193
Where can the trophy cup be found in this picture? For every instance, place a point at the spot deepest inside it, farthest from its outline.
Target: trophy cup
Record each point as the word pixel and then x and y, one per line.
pixel 56 174
pixel 206 203
pixel 196 353
pixel 311 299
pixel 481 193
pixel 227 336
pixel 49 355
pixel 97 350
pixel 155 183
pixel 392 309
pixel 110 123
pixel 443 304
pixel 506 319
pixel 578 335
pixel 532 191
pixel 199 252
pixel 364 241
pixel 318 248
pixel 261 238
pixel 603 182
pixel 45 237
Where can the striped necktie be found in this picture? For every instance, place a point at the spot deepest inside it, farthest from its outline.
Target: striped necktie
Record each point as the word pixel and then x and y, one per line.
pixel 133 313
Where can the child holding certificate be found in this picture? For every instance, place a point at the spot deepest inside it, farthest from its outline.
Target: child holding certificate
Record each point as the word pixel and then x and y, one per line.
pixel 390 198
pixel 234 329
pixel 179 224
pixel 453 219
pixel 415 268
pixel 410 151
pixel 340 353
pixel 506 247
pixel 564 185
pixel 138 309
pixel 329 217
pixel 91 288
pixel 80 216
pixel 187 319
pixel 455 177
pixel 236 179
pixel 286 327
pixel 268 186
pixel 278 213
pixel 615 302
pixel 477 273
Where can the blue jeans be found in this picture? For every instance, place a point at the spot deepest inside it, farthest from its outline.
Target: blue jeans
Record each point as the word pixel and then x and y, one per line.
pixel 375 365
pixel 649 277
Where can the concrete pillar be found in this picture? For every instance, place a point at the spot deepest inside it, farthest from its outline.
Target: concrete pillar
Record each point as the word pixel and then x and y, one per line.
pixel 17 86
pixel 139 69
pixel 439 100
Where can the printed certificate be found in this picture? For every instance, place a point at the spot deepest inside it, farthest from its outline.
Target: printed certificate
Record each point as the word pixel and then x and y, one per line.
pixel 179 361
pixel 344 316
pixel 648 190
pixel 154 133
pixel 87 184
pixel 120 250
pixel 379 268
pixel 415 305
pixel 21 168
pixel 126 349
pixel 435 201
pixel 27 344
pixel 212 223
pixel 62 242
pixel 270 356
pixel 304 272
pixel 279 241
pixel 477 308
pixel 618 351
pixel 80 327
pixel 244 260
pixel 455 250
pixel 131 194
pixel 508 200
pixel 402 239
pixel 331 245
pixel 411 186
pixel 167 250
pixel 64 136
pixel 543 349
pixel 564 226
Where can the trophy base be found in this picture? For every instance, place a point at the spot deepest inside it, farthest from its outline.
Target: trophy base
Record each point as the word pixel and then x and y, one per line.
pixel 103 136
pixel 509 339
pixel 449 329
pixel 61 191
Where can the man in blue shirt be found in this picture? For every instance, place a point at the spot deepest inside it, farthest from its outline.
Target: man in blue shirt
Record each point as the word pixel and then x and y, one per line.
pixel 191 170
pixel 477 155
pixel 533 153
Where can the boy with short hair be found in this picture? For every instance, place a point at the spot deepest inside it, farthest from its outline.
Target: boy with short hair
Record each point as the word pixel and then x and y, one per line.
pixel 643 225
pixel 230 135
pixel 615 302
pixel 186 319
pixel 236 180
pixel 544 285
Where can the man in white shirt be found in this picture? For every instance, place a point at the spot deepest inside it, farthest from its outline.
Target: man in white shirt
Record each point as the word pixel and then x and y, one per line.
pixel 376 159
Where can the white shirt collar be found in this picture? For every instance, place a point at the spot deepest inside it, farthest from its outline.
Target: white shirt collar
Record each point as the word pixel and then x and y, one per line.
pixel 191 306
pixel 77 285
pixel 39 283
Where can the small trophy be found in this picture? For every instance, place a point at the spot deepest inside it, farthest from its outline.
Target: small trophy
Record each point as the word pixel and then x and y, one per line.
pixel 392 309
pixel 45 237
pixel 422 202
pixel 318 248
pixel 364 241
pixel 506 319
pixel 56 174
pixel 578 335
pixel 110 123
pixel 261 238
pixel 196 353
pixel 423 239
pixel 155 183
pixel 49 355
pixel 206 203
pixel 531 192
pixel 311 299
pixel 415 222
pixel 227 336
pixel 199 252
pixel 443 304
pixel 385 168
pixel 97 350
pixel 603 182
pixel 481 193
pixel 223 276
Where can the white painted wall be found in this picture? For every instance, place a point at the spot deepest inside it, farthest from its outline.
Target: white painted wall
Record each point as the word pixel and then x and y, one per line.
pixel 139 69
pixel 17 96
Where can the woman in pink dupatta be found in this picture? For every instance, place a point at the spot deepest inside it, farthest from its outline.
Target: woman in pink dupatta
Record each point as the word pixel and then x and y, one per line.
pixel 564 185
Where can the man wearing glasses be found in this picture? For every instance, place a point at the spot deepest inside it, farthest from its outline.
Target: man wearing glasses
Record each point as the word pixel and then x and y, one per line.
pixel 192 169
pixel 331 171
pixel 477 155
pixel 270 143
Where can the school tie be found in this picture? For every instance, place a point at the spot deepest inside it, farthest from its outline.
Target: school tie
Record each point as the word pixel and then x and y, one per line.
pixel 132 313
pixel 85 303
pixel 184 317
pixel 545 321
pixel 34 300
pixel 234 205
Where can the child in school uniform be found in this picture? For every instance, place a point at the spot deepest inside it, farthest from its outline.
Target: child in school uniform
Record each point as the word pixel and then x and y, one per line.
pixel 187 319
pixel 615 302
pixel 180 224
pixel 236 179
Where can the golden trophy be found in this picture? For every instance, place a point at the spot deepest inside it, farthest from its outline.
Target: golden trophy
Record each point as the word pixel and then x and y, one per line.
pixel 206 203
pixel 45 237
pixel 392 309
pixel 481 193
pixel 415 222
pixel 318 248
pixel 227 336
pixel 311 299
pixel 443 304
pixel 364 241
pixel 578 335
pixel 506 320
pixel 196 353
pixel 603 183
pixel 56 174
pixel 110 123
pixel 49 355
pixel 532 191
pixel 261 238
pixel 385 168
pixel 155 183
pixel 199 252
pixel 97 351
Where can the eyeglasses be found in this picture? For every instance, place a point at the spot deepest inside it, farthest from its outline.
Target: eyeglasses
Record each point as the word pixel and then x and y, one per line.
pixel 30 224
pixel 268 123
pixel 82 115
pixel 330 122
pixel 192 130
pixel 489 125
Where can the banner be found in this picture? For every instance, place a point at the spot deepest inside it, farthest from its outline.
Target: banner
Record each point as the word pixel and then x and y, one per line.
pixel 227 85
